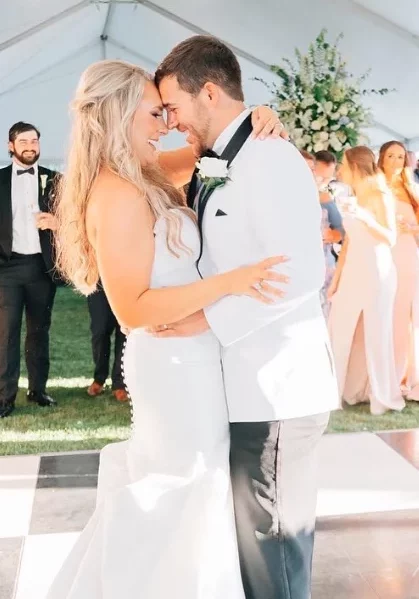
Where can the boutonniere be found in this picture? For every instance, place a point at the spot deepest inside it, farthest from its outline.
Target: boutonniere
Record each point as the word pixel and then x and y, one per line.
pixel 44 179
pixel 332 191
pixel 213 172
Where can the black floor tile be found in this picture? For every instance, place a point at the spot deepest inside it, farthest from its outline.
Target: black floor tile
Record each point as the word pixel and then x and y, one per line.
pixel 70 481
pixel 69 464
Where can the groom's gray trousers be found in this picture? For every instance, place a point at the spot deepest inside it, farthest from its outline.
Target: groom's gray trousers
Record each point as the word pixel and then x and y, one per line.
pixel 274 475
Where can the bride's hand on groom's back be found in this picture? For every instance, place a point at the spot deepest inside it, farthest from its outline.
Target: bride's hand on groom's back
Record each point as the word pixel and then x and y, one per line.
pixel 192 325
pixel 247 280
pixel 253 280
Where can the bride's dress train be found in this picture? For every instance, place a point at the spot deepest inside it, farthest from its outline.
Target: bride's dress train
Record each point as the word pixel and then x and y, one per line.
pixel 164 523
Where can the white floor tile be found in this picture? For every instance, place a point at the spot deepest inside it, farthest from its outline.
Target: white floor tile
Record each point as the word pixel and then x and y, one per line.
pixel 18 477
pixel 359 473
pixel 43 556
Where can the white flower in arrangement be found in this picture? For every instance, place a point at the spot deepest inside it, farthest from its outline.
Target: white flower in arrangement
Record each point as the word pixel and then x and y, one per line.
pixel 306 119
pixel 335 143
pixel 316 125
pixel 344 110
pixel 320 146
pixel 337 93
pixel 328 107
pixel 308 101
pixel 286 105
pixel 341 135
pixel 351 125
pixel 324 136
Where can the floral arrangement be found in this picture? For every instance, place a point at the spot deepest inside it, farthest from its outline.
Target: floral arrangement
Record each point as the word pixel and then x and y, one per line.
pixel 319 102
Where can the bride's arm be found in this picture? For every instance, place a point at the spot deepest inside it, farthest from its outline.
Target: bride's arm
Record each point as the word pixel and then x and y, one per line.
pixel 179 165
pixel 124 246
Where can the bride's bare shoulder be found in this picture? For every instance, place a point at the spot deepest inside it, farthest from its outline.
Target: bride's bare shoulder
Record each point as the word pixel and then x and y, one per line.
pixel 111 200
pixel 109 188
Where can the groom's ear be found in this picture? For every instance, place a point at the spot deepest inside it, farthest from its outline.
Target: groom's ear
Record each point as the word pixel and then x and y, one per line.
pixel 211 93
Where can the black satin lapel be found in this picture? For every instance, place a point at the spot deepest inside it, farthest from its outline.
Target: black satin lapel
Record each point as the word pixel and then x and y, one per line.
pixel 6 217
pixel 193 186
pixel 201 210
pixel 41 197
pixel 233 148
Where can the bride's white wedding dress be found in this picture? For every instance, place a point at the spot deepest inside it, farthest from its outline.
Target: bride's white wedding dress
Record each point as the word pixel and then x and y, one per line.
pixel 164 522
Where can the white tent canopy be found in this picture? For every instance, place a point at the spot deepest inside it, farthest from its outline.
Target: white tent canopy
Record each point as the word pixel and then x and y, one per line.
pixel 46 44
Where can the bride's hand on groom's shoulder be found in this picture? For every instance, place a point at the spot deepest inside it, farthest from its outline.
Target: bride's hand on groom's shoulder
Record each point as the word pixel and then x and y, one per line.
pixel 193 325
pixel 266 123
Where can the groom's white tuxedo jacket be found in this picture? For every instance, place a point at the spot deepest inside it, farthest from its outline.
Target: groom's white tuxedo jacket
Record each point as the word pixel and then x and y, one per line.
pixel 277 359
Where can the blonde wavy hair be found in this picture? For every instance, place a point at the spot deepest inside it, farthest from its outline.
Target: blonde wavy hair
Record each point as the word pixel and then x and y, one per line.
pixel 361 161
pixel 104 106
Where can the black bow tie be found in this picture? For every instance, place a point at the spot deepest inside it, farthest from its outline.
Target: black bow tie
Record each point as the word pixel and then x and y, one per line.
pixel 209 154
pixel 30 171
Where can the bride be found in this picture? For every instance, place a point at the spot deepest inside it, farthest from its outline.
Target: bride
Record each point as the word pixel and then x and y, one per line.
pixel 164 524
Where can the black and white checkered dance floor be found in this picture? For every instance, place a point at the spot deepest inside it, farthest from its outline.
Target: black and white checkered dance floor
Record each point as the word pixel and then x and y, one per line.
pixel 367 543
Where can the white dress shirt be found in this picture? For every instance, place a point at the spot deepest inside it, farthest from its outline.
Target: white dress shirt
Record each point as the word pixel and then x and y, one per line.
pixel 276 358
pixel 25 205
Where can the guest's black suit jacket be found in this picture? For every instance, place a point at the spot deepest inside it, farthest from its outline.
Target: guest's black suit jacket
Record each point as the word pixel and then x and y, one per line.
pixel 45 199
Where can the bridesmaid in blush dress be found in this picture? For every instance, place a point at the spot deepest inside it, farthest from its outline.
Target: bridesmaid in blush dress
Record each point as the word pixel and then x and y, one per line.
pixel 393 161
pixel 363 290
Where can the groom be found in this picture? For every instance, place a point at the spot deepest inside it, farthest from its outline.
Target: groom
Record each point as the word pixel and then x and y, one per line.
pixel 279 377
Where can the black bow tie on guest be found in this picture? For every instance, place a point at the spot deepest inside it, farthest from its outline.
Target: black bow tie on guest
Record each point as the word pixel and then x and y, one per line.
pixel 30 171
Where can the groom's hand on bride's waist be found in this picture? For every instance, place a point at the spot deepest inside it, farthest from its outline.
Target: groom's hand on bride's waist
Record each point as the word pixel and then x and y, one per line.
pixel 193 325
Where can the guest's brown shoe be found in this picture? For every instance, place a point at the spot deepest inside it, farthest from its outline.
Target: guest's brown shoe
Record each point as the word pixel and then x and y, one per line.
pixel 120 395
pixel 95 389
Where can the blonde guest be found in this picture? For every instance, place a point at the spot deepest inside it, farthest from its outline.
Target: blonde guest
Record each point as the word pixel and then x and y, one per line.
pixel 363 290
pixel 394 162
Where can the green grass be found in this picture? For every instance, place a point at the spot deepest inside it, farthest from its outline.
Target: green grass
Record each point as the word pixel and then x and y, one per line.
pixel 80 422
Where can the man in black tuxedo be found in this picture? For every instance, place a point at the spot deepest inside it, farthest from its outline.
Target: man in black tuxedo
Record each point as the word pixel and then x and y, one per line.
pixel 27 282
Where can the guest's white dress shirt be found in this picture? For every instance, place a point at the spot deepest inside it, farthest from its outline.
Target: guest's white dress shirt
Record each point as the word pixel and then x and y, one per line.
pixel 25 205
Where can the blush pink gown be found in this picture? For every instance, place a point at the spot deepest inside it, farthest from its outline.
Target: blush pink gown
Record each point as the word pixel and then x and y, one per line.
pixel 361 322
pixel 406 308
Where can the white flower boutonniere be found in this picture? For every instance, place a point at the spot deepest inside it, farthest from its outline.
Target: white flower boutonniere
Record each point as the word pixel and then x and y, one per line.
pixel 44 179
pixel 213 172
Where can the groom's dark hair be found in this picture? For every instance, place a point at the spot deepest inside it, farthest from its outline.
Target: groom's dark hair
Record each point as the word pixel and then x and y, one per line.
pixel 200 59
